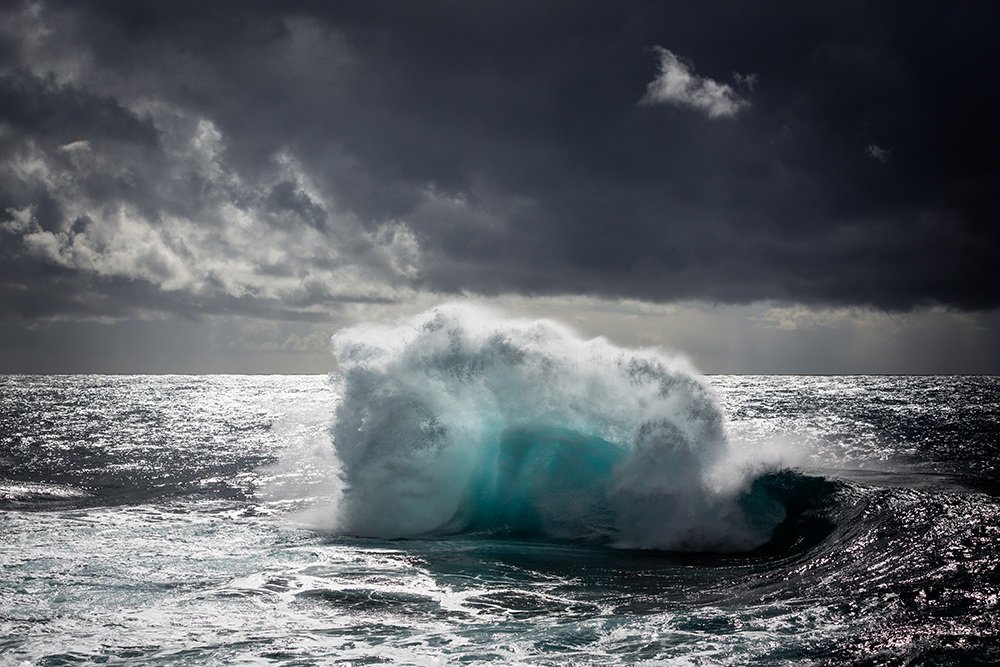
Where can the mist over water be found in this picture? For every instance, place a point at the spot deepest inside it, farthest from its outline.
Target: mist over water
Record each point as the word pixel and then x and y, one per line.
pixel 459 420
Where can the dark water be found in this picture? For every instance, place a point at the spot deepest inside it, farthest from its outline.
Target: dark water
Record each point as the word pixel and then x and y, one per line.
pixel 171 520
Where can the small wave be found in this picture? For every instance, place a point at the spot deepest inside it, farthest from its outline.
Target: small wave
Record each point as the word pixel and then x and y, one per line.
pixel 459 420
pixel 38 493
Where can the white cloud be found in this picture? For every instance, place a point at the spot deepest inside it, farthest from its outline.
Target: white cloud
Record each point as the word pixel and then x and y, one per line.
pixel 876 152
pixel 75 146
pixel 21 220
pixel 185 216
pixel 677 84
pixel 235 241
pixel 799 317
pixel 748 81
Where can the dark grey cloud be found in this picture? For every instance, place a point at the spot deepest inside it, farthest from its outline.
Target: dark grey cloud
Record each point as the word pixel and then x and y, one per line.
pixel 281 158
pixel 58 114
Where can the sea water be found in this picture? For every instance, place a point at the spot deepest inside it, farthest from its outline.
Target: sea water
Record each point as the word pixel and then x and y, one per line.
pixel 474 490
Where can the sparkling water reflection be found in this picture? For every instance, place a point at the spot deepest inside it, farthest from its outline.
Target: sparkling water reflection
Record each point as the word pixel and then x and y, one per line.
pixel 157 520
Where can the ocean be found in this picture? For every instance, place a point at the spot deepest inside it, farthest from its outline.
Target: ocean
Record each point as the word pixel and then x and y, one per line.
pixel 313 520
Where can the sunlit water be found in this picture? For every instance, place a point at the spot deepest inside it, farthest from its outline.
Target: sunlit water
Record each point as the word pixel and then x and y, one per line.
pixel 172 520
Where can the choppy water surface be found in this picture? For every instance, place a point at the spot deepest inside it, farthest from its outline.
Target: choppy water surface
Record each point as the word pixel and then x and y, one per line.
pixel 172 520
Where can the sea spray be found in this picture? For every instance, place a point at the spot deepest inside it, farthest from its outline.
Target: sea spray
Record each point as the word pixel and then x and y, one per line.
pixel 461 420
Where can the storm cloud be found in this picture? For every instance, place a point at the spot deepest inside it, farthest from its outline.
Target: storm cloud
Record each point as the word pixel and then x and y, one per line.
pixel 278 159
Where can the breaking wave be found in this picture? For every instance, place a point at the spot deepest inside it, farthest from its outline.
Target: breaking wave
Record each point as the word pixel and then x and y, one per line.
pixel 459 420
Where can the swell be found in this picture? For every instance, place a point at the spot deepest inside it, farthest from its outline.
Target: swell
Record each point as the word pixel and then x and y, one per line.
pixel 912 560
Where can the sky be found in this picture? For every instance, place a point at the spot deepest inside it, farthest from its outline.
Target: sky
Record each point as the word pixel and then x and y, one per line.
pixel 802 187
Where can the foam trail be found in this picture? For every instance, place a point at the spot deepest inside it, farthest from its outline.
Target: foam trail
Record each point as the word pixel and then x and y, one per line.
pixel 461 420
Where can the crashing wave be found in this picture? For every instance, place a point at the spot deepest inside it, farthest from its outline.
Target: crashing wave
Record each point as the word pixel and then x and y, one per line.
pixel 460 420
